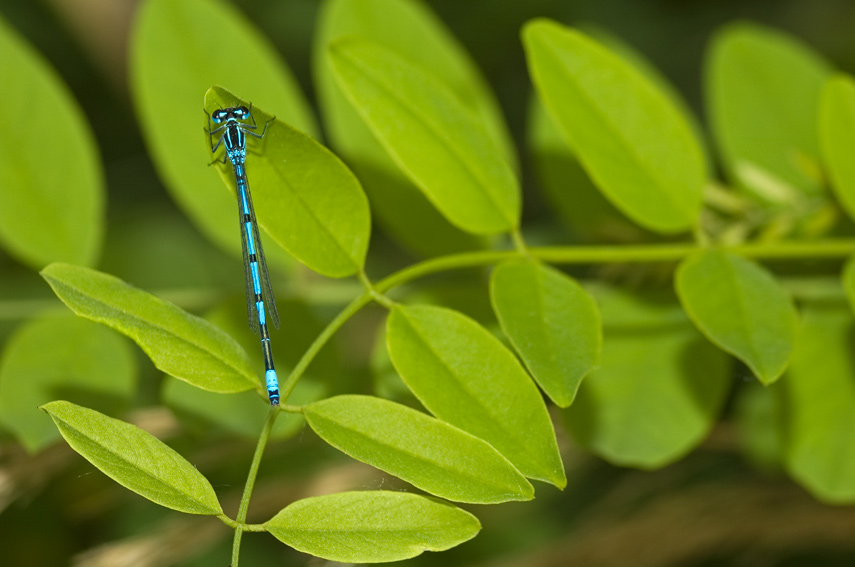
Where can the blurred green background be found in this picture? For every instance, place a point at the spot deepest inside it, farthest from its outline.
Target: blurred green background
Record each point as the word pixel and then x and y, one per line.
pixel 712 508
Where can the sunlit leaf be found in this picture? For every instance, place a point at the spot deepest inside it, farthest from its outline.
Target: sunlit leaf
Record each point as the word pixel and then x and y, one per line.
pixel 180 344
pixel 433 137
pixel 177 51
pixel 424 451
pixel 371 527
pixel 634 144
pixel 315 206
pixel 741 308
pixel 135 459
pixel 552 322
pixel 465 376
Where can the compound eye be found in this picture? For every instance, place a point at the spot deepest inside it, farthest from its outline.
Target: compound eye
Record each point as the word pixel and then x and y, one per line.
pixel 241 111
pixel 219 115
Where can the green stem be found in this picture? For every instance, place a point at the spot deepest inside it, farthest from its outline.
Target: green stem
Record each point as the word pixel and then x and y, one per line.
pixel 250 484
pixel 670 252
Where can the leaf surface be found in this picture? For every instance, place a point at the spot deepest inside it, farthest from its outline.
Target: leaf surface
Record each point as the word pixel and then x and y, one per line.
pixel 52 197
pixel 635 145
pixel 424 451
pixel 837 137
pixel 741 308
pixel 820 401
pixel 463 375
pixel 320 214
pixel 552 323
pixel 763 90
pixel 371 526
pixel 180 344
pixel 135 459
pixel 433 137
pixel 658 388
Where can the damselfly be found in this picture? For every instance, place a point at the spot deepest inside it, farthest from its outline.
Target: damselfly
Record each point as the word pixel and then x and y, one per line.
pixel 235 123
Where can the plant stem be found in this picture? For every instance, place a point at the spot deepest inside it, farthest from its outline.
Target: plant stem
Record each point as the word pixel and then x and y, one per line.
pixel 670 252
pixel 250 483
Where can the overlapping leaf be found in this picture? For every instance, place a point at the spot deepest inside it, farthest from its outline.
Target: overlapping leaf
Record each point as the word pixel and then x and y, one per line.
pixel 178 343
pixel 636 146
pixel 465 376
pixel 441 145
pixel 412 30
pixel 741 308
pixel 371 527
pixel 424 451
pixel 552 322
pixel 658 388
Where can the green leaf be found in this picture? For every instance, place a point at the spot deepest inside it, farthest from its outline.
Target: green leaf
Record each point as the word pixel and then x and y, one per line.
pixel 659 386
pixel 740 307
pixel 636 146
pixel 52 356
pixel 465 376
pixel 178 50
pixel 426 452
pixel 837 137
pixel 820 400
pixel 438 142
pixel 551 321
pixel 180 344
pixel 371 527
pixel 412 30
pixel 135 459
pixel 52 197
pixel 763 92
pixel 315 206
pixel 585 212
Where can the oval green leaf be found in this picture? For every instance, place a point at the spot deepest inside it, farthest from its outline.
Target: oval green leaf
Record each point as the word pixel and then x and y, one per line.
pixel 424 451
pixel 463 375
pixel 820 403
pixel 763 92
pixel 740 307
pixel 52 197
pixel 314 206
pixel 135 459
pixel 658 388
pixel 413 30
pixel 552 323
pixel 60 355
pixel 837 137
pixel 433 137
pixel 633 142
pixel 371 526
pixel 180 344
pixel 178 50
